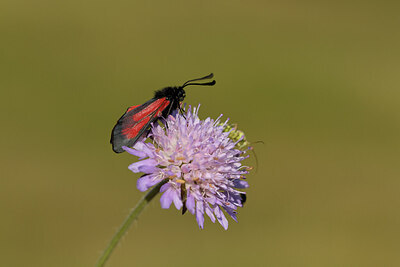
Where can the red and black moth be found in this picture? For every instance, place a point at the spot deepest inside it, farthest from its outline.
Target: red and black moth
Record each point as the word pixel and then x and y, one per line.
pixel 137 119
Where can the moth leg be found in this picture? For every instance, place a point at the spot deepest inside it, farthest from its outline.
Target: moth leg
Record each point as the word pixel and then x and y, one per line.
pixel 182 111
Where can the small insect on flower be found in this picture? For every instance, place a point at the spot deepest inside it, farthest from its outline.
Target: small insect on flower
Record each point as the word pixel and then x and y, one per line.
pixel 201 163
pixel 242 143
pixel 136 121
pixel 236 135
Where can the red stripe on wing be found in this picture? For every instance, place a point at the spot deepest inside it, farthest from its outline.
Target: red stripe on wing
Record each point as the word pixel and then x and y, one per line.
pixel 158 105
pixel 135 123
pixel 133 107
pixel 132 132
pixel 162 107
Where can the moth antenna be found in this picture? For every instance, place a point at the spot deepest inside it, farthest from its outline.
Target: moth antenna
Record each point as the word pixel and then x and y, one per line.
pixel 209 76
pixel 205 84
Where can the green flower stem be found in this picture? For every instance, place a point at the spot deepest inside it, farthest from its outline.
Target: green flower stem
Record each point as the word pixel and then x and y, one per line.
pixel 133 215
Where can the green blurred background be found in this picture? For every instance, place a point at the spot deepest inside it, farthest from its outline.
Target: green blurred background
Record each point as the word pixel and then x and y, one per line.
pixel 317 81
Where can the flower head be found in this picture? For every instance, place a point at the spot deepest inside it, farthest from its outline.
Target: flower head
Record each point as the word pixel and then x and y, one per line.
pixel 201 162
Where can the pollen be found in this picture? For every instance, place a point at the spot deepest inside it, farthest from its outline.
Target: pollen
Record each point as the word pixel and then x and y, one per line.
pixel 172 177
pixel 180 181
pixel 180 158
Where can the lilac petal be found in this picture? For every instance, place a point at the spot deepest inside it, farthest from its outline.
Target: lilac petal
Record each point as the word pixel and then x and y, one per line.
pixel 238 200
pixel 185 168
pixel 240 183
pixel 200 214
pixel 148 169
pixel 134 152
pixel 166 199
pixel 174 170
pixel 177 199
pixel 168 172
pixel 221 217
pixel 165 187
pixel 190 204
pixel 231 213
pixel 146 181
pixel 210 214
pixel 212 200
pixel 233 197
pixel 146 166
pixel 143 147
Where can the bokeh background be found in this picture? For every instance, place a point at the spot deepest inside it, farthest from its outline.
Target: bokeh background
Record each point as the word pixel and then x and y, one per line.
pixel 316 81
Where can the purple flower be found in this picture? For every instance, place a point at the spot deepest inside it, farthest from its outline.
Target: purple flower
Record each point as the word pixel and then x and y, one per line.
pixel 201 162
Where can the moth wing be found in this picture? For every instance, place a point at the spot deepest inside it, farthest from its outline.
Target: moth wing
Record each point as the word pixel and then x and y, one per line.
pixel 135 122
